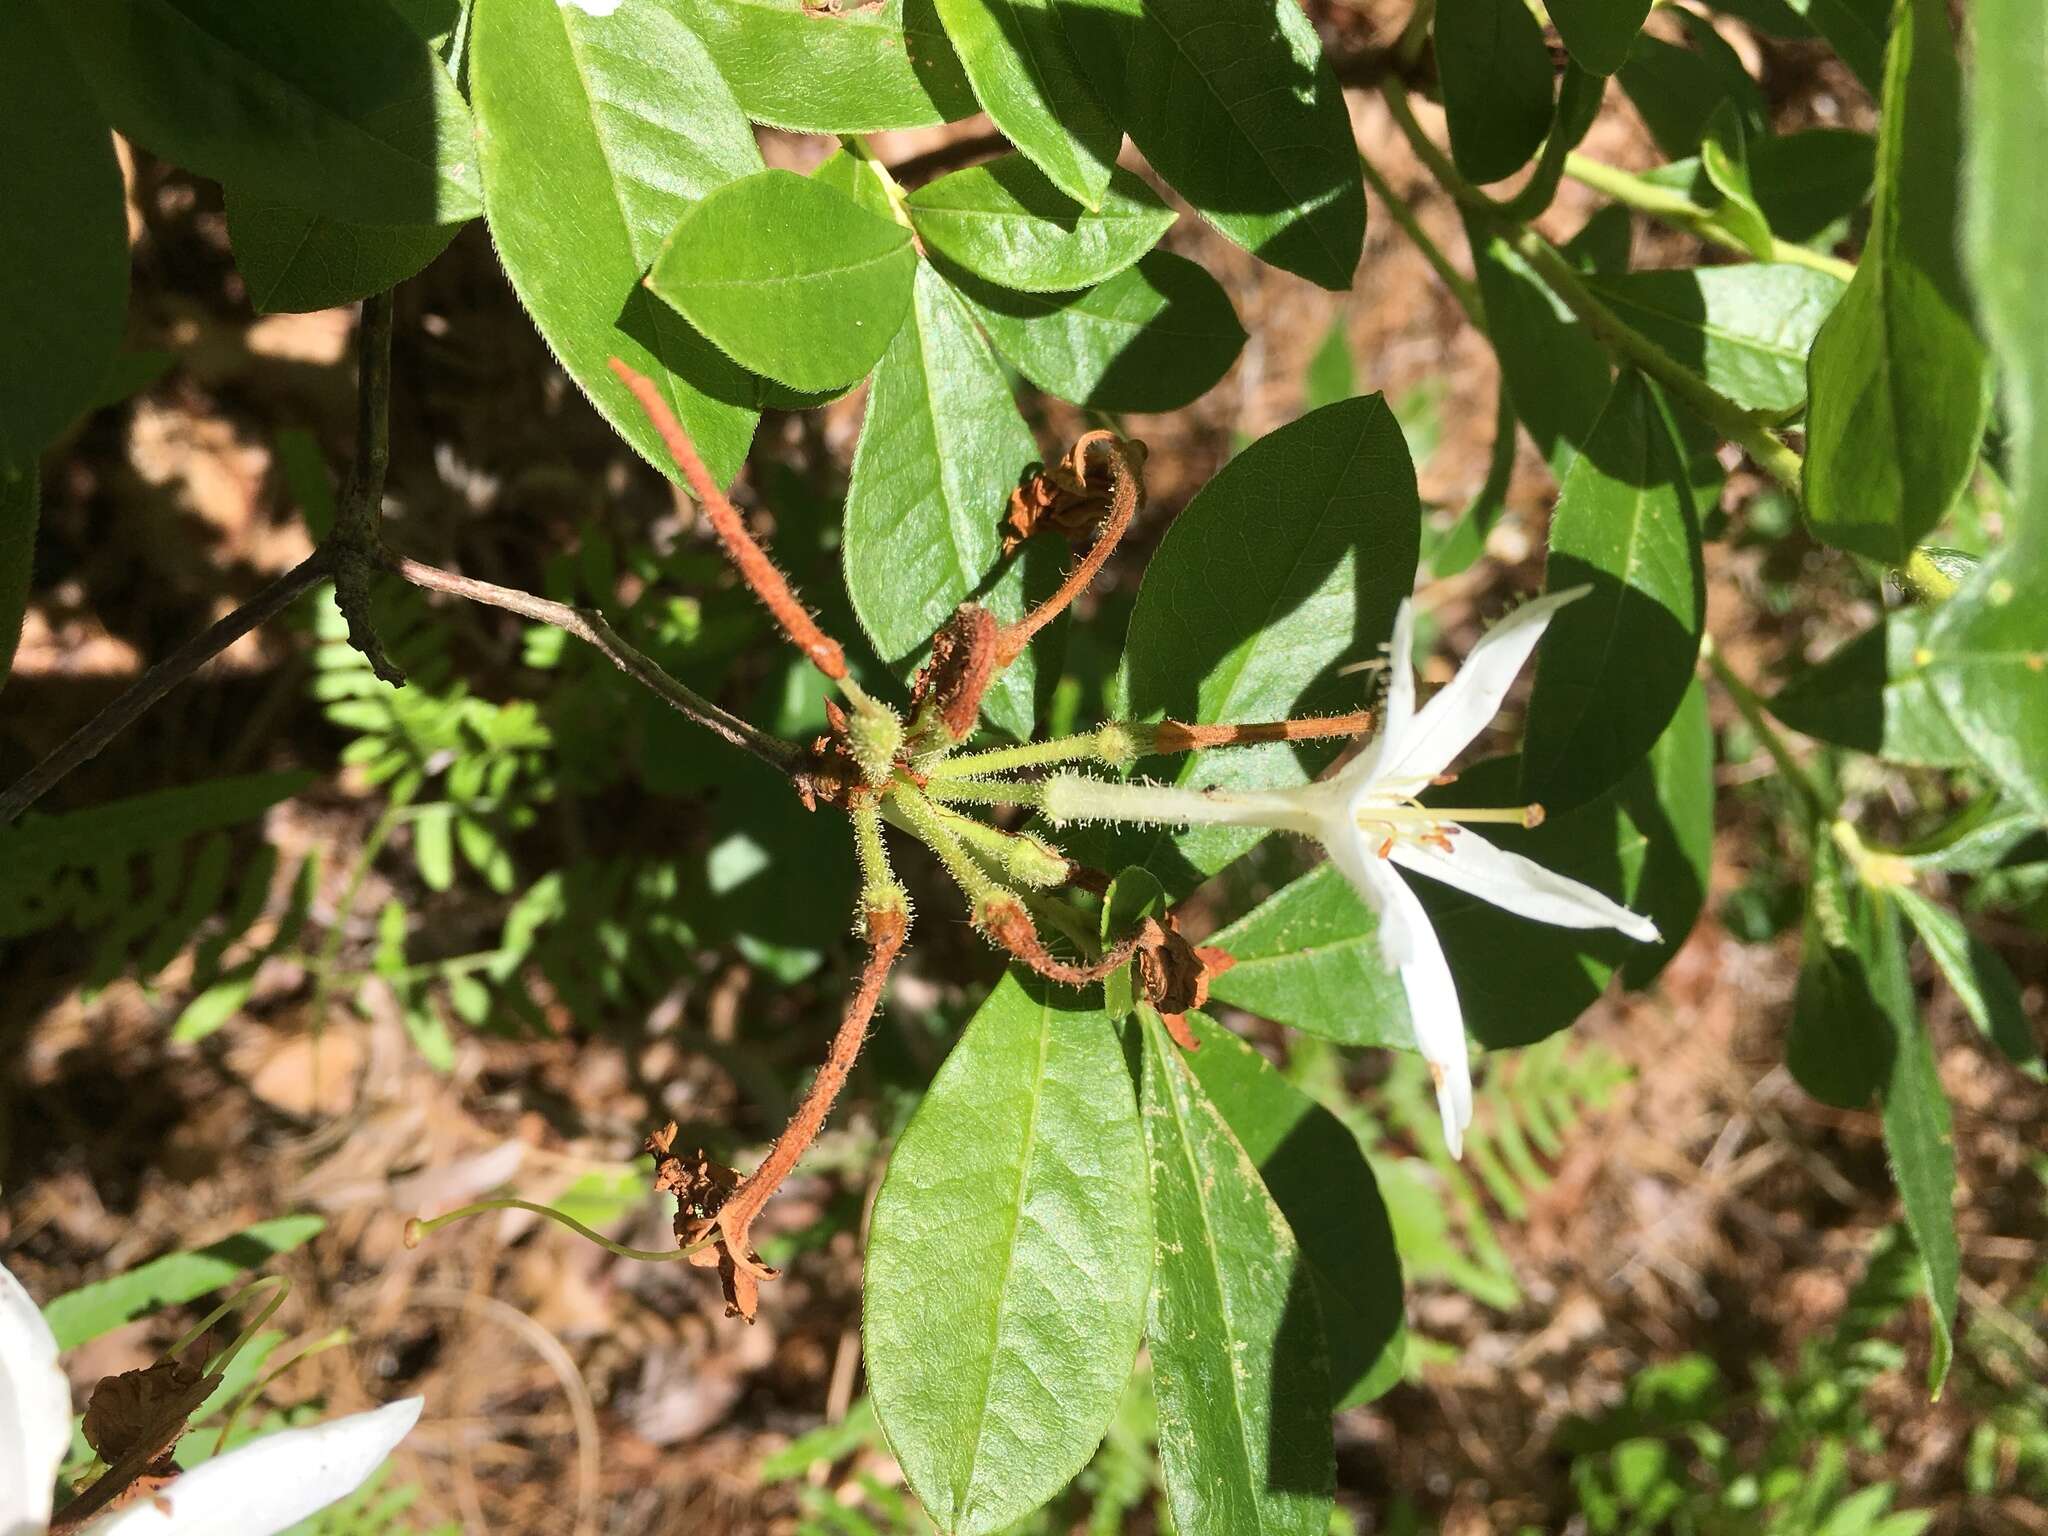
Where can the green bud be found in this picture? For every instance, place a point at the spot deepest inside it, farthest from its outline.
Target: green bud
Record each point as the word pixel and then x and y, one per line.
pixel 876 736
pixel 1117 745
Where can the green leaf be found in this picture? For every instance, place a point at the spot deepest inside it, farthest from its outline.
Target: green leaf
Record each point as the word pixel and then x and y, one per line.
pixel 1599 33
pixel 1615 663
pixel 1238 1359
pixel 32 849
pixel 433 846
pixel 1322 524
pixel 790 277
pixel 342 107
pixel 1558 376
pixel 1838 1045
pixel 1855 29
pixel 2006 228
pixel 1746 329
pixel 857 69
pixel 940 451
pixel 1008 1261
pixel 1152 338
pixel 20 507
pixel 63 265
pixel 1986 658
pixel 294 260
pixel 1872 695
pixel 1308 956
pixel 1672 804
pixel 1807 181
pixel 1005 222
pixel 91 1310
pixel 1980 978
pixel 1496 74
pixel 1899 379
pixel 1675 90
pixel 1312 1165
pixel 860 178
pixel 1920 1144
pixel 1234 104
pixel 214 1007
pixel 1330 376
pixel 596 134
pixel 1724 156
pixel 1026 77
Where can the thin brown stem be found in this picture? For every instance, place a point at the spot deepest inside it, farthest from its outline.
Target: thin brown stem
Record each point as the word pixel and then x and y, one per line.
pixel 164 1432
pixel 1127 494
pixel 886 930
pixel 1172 736
pixel 1010 926
pixel 759 572
pixel 143 695
pixel 588 625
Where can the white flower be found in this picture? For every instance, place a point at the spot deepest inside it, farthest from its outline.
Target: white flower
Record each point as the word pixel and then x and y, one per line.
pixel 255 1490
pixel 1368 817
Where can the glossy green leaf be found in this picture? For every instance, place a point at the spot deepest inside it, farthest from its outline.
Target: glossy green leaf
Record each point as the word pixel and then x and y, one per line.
pixel 2006 229
pixel 1676 89
pixel 1614 664
pixel 63 252
pixel 342 107
pixel 1009 1260
pixel 790 277
pixel 1557 374
pixel 859 177
pixel 1874 696
pixel 1599 33
pixel 101 1307
pixel 940 451
pixel 1153 338
pixel 1724 156
pixel 1313 1167
pixel 1238 1359
pixel 1899 378
pixel 851 69
pixel 1671 802
pixel 1022 66
pixel 1234 104
pixel 1322 524
pixel 1979 977
pixel 1746 329
pixel 1986 658
pixel 1308 956
pixel 20 509
pixel 293 260
pixel 1006 223
pixel 1496 77
pixel 597 132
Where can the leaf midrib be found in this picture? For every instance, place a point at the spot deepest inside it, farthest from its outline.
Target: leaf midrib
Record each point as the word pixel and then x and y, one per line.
pixel 1174 1095
pixel 966 1486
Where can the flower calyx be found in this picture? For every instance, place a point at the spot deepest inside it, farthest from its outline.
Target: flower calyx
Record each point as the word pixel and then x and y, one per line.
pixel 701 1188
pixel 945 699
pixel 1173 975
pixel 1057 498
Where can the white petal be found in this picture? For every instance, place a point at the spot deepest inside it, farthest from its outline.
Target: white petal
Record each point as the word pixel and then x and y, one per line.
pixel 1459 711
pixel 1521 886
pixel 1411 948
pixel 261 1488
pixel 35 1413
pixel 1397 708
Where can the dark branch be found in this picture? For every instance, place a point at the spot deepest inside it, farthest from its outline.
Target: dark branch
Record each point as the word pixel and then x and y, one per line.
pixel 144 694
